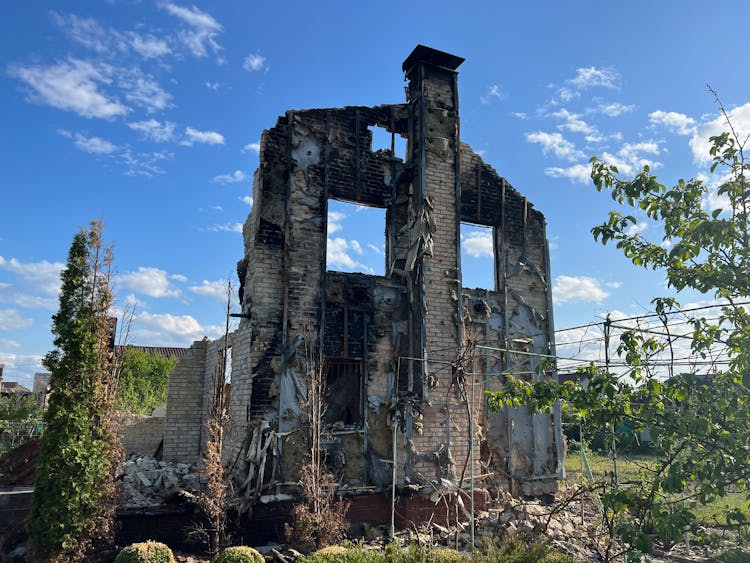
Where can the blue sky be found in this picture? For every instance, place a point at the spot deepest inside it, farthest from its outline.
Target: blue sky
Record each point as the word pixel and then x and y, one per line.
pixel 147 114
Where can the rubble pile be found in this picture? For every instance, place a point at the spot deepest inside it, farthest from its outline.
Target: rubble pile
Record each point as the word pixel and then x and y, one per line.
pixel 148 482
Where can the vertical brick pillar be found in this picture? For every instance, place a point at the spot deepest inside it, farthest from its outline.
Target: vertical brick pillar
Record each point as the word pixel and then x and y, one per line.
pixel 435 154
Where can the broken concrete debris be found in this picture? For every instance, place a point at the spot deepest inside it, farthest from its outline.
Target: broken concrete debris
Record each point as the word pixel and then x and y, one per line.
pixel 395 347
pixel 148 482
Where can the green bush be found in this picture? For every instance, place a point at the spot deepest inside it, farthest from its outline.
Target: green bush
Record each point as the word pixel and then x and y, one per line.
pixel 146 552
pixel 239 554
pixel 516 551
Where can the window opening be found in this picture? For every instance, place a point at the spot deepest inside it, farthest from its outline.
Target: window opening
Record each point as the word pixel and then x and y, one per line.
pixel 356 238
pixel 382 140
pixel 477 256
pixel 344 393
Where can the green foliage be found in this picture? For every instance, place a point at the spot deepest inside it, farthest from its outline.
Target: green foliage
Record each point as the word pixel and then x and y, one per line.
pixel 19 416
pixel 146 552
pixel 512 551
pixel 143 381
pixel 238 554
pixel 702 424
pixel 75 471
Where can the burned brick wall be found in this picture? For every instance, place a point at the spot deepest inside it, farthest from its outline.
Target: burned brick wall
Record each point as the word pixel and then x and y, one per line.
pixel 392 348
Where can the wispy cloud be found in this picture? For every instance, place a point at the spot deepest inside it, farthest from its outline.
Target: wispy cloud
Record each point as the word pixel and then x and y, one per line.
pixel 10 319
pixel 556 144
pixel 201 30
pixel 247 200
pixel 94 145
pixel 252 147
pixel 592 77
pixel 226 228
pixel 71 85
pixel 572 122
pixel 613 109
pixel 334 221
pixel 630 158
pixel 232 178
pixel 143 90
pixel 254 62
pixel 193 136
pixel 43 275
pixel 153 130
pixel 493 94
pixel 143 163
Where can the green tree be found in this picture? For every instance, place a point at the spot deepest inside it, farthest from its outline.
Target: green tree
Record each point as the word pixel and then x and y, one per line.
pixel 702 423
pixel 19 415
pixel 143 381
pixel 73 510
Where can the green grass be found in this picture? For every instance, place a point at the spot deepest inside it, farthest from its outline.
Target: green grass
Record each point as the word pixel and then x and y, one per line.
pixel 629 468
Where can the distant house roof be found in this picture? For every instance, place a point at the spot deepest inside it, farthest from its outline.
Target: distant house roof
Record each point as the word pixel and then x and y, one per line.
pixel 169 352
pixel 13 387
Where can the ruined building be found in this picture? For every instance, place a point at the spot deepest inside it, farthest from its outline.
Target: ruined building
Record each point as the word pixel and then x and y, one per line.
pixel 401 352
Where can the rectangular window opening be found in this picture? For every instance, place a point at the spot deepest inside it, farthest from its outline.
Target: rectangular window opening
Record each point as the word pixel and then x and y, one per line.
pixel 477 256
pixel 344 392
pixel 384 140
pixel 356 238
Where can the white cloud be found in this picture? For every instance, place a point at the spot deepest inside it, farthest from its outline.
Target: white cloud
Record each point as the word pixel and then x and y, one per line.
pixel 233 178
pixel 613 109
pixel 573 122
pixel 356 247
pixel 202 30
pixel 178 277
pixel 493 93
pixel 143 164
pixel 212 85
pixel 629 159
pixel 89 33
pixel 204 137
pixel 226 228
pixel 675 122
pixel 556 144
pixel 71 85
pixel 252 147
pixel 9 294
pixel 374 248
pixel 21 367
pixel 164 329
pixel 614 284
pixel 94 145
pixel 43 275
pixel 590 77
pixel 153 130
pixel 334 221
pixel 10 319
pixel 580 173
pixel 577 288
pixel 153 282
pixel 142 90
pixel 478 244
pixel 254 62
pixel 214 289
pixel 636 228
pixel 148 46
pixel 699 143
pixel 247 200
pixel 85 31
pixel 337 255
